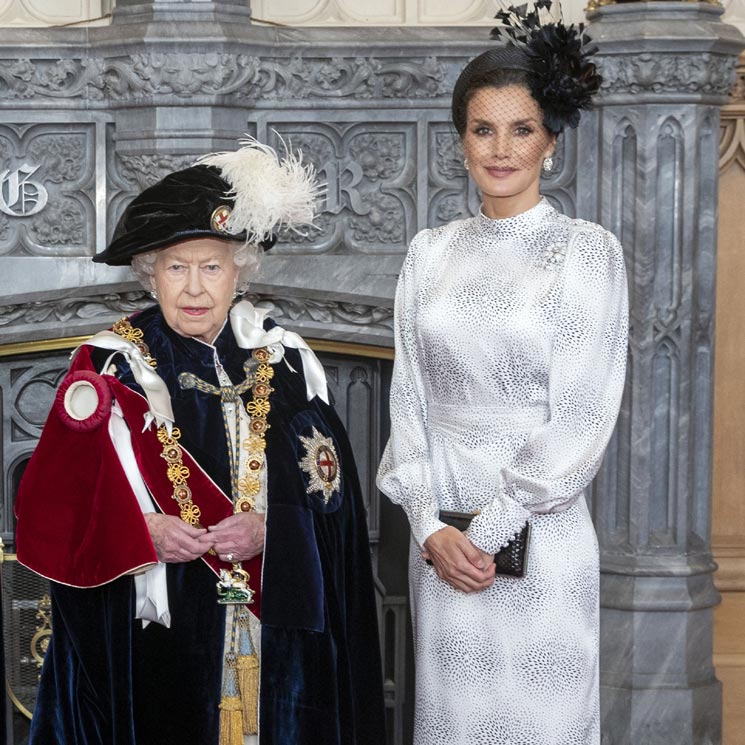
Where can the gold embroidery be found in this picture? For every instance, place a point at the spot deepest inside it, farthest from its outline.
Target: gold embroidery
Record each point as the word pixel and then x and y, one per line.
pixel 249 484
pixel 178 473
pixel 265 373
pixel 258 408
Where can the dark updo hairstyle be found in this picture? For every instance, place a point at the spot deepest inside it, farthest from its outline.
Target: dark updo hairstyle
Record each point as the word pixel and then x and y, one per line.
pixel 496 68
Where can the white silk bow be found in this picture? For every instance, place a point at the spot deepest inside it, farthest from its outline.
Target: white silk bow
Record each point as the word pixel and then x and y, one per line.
pixel 248 327
pixel 151 383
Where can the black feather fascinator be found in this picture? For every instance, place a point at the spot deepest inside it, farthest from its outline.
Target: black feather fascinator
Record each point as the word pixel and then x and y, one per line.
pixel 562 78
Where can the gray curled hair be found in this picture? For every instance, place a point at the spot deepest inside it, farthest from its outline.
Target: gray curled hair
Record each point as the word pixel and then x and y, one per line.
pixel 247 257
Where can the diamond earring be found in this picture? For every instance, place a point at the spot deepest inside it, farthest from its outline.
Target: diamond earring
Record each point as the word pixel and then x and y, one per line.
pixel 548 164
pixel 153 294
pixel 465 163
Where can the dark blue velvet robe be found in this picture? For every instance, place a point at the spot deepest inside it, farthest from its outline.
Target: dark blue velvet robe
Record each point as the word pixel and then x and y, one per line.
pixel 108 681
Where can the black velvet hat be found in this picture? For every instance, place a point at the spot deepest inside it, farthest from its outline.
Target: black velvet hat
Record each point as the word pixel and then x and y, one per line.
pixel 192 203
pixel 246 195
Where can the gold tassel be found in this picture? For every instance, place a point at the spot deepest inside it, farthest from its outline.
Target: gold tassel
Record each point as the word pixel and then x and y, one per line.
pixel 248 683
pixel 231 721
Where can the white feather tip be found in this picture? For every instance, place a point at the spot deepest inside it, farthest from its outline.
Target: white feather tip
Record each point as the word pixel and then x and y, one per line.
pixel 270 194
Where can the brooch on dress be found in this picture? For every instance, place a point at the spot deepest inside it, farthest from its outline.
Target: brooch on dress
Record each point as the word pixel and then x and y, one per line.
pixel 321 463
pixel 552 256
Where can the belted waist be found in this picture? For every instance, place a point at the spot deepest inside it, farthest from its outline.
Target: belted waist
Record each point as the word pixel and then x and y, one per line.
pixel 507 418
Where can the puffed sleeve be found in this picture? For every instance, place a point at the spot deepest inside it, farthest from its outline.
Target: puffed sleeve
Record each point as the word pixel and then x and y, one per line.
pixel 404 474
pixel 586 381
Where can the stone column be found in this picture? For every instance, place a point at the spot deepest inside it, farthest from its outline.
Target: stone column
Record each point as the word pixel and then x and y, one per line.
pixel 647 170
pixel 167 98
pixel 186 10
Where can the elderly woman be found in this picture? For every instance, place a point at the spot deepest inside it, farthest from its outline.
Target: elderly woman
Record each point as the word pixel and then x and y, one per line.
pixel 511 334
pixel 194 499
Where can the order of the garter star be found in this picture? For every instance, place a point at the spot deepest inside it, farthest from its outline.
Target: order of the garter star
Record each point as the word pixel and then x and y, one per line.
pixel 321 463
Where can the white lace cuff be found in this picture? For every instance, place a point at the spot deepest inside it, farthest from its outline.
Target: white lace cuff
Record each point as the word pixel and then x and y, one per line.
pixel 497 525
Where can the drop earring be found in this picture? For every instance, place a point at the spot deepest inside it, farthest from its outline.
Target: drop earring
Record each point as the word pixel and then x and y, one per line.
pixel 548 164
pixel 154 294
pixel 465 163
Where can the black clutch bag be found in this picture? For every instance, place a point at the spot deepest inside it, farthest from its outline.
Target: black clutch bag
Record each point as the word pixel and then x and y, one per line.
pixel 512 560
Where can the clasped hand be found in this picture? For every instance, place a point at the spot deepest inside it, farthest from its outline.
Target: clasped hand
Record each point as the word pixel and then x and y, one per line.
pixel 458 562
pixel 240 535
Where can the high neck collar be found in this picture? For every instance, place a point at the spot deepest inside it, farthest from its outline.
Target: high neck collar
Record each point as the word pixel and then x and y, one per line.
pixel 156 329
pixel 519 223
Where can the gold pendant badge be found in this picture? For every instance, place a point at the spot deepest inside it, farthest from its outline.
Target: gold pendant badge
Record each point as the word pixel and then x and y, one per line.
pixel 232 587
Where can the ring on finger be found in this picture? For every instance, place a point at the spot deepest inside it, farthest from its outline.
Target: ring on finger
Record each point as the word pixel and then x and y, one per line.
pixel 229 557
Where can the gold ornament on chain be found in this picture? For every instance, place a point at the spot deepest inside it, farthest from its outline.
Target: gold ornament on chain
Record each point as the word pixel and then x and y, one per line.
pixel 172 453
pixel 129 332
pixel 255 444
pixel 177 474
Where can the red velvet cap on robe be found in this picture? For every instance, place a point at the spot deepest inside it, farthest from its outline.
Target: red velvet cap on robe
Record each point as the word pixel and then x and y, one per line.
pixel 79 522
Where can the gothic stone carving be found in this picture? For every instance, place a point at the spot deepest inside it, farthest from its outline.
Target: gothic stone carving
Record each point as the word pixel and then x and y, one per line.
pixel 46 198
pixel 737 93
pixel 111 306
pixel 667 73
pixel 732 144
pixel 70 309
pixel 185 75
pixel 328 312
pixel 370 172
pixel 141 171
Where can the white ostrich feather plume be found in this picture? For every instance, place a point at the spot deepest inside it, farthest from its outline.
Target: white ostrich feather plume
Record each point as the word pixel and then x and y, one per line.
pixel 270 194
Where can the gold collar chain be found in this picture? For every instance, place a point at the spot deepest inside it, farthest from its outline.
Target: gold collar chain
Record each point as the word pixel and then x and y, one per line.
pixel 255 444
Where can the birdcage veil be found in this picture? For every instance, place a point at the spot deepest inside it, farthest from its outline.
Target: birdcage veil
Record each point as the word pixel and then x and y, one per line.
pixel 511 102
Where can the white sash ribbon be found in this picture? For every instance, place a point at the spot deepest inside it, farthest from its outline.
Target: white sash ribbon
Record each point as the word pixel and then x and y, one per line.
pixel 155 390
pixel 248 327
pixel 151 587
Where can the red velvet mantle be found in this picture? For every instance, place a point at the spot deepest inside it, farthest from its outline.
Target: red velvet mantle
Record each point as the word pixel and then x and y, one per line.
pixel 79 523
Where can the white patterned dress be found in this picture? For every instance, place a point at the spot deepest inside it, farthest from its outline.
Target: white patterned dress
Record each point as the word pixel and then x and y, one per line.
pixel 510 360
